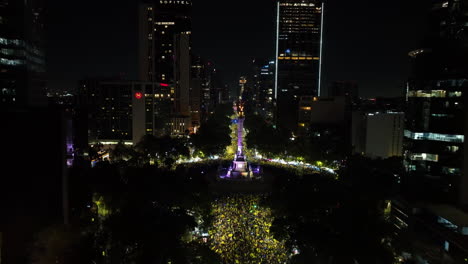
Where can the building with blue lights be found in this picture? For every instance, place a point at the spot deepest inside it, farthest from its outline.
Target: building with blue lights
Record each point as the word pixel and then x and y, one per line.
pixel 260 87
pixel 436 116
pixel 22 56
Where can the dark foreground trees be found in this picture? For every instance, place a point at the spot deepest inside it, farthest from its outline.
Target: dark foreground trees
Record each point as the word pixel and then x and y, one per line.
pixel 326 143
pixel 62 244
pixel 130 215
pixel 333 221
pixel 145 215
pixel 214 135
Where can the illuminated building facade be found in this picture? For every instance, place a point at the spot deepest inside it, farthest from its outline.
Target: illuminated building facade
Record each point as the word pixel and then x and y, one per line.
pixel 151 103
pixel 160 21
pixel 298 56
pixel 436 115
pixel 261 87
pixel 124 110
pixel 22 56
pixel 164 52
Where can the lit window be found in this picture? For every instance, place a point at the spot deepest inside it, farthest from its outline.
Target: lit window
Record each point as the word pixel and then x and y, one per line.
pixel 453 148
pixel 450 171
pixel 427 93
pixel 425 157
pixel 455 94
pixel 434 136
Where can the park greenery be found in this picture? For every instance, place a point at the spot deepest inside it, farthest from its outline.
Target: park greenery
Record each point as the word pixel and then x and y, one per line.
pixel 324 143
pixel 145 207
pixel 331 221
pixel 214 135
pixel 212 139
pixel 158 215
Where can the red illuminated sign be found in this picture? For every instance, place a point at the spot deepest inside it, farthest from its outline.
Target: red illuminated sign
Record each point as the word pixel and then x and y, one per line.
pixel 164 84
pixel 138 95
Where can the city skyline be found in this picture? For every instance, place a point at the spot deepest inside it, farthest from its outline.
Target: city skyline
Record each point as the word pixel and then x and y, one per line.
pixel 234 132
pixel 113 52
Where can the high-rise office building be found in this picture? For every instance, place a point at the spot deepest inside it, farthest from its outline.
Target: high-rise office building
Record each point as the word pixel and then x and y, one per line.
pixel 160 21
pixel 124 110
pixel 299 28
pixel 436 128
pixel 108 108
pixel 22 57
pixel 182 75
pixel 151 104
pixel 200 82
pixel 436 184
pixel 261 86
pixel 164 51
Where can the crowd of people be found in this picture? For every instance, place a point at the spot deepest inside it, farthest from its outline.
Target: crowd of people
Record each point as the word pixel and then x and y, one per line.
pixel 241 231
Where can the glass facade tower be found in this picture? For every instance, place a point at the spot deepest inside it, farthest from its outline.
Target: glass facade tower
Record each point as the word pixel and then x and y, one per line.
pixel 436 115
pixel 22 54
pixel 298 56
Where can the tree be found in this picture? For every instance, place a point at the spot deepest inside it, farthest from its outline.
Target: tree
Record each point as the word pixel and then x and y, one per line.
pixel 121 152
pixel 61 244
pixel 164 150
pixel 213 136
pixel 264 137
pixel 148 146
pixel 337 224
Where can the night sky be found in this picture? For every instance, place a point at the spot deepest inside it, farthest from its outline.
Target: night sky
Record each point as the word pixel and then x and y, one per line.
pixel 365 41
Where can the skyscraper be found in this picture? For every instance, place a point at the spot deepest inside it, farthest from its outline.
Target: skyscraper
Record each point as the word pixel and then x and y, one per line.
pixel 298 56
pixel 22 56
pixel 436 128
pixel 160 21
pixel 260 87
pixel 164 52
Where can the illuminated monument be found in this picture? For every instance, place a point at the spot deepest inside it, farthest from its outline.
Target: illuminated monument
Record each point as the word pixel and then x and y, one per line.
pixel 240 168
